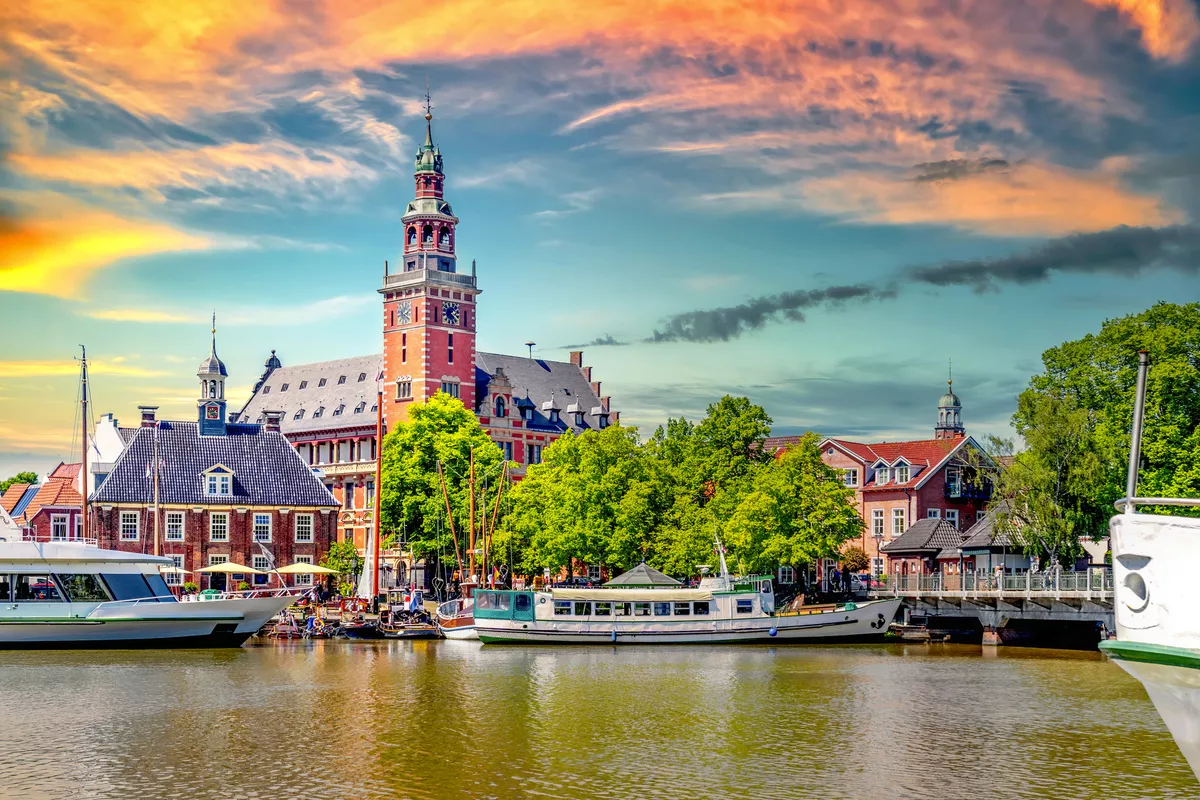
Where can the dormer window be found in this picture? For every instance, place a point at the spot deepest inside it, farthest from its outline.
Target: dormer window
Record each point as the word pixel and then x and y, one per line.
pixel 554 416
pixel 902 473
pixel 284 388
pixel 881 474
pixel 527 414
pixel 319 412
pixel 579 419
pixel 320 383
pixel 341 379
pixel 602 420
pixel 266 390
pixel 303 385
pixel 218 481
pixel 299 414
pixel 337 412
pixel 501 408
pixel 361 407
pixel 362 376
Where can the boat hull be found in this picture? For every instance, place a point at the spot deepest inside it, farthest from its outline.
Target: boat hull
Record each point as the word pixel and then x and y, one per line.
pixel 866 622
pixel 460 632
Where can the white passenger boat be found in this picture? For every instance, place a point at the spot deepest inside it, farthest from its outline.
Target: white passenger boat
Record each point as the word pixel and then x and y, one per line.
pixel 69 595
pixel 1155 560
pixel 722 609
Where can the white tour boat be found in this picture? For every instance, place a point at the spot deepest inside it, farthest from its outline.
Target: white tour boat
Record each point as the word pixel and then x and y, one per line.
pixel 1155 560
pixel 70 595
pixel 723 609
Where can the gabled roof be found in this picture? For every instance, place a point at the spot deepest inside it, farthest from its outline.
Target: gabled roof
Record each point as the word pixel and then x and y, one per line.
pixel 26 498
pixel 545 385
pixel 267 469
pixel 270 394
pixel 924 456
pixel 988 533
pixel 643 575
pixel 12 495
pixel 925 536
pixel 56 493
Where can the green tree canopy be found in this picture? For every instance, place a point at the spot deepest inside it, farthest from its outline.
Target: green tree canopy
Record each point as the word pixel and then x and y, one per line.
pixel 442 431
pixel 20 477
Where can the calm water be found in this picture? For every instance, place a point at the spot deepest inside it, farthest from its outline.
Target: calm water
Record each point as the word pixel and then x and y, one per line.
pixel 453 719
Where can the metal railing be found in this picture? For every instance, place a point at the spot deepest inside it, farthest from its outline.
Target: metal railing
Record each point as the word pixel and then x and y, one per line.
pixel 1085 584
pixel 1133 503
pixel 249 594
pixel 415 276
pixel 29 536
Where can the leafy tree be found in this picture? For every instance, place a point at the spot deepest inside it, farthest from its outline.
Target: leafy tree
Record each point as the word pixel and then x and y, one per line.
pixel 798 511
pixel 20 477
pixel 343 558
pixel 855 559
pixel 442 431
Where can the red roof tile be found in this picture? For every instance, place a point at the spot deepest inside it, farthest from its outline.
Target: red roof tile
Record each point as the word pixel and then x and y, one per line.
pixel 921 454
pixel 12 495
pixel 54 493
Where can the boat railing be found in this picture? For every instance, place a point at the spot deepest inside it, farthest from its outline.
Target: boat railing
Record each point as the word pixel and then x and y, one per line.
pixel 248 594
pixel 1131 503
pixel 31 536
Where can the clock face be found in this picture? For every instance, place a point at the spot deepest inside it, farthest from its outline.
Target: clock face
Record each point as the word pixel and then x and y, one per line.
pixel 212 412
pixel 405 310
pixel 451 313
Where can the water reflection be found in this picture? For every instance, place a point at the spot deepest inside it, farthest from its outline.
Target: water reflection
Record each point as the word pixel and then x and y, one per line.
pixel 452 719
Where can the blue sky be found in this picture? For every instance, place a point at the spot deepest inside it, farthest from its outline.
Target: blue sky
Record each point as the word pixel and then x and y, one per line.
pixel 817 207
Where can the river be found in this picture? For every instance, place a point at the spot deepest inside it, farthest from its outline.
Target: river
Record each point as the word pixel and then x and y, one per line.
pixel 457 720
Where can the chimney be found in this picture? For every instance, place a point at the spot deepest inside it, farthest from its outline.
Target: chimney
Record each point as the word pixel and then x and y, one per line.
pixel 147 414
pixel 587 373
pixel 577 358
pixel 596 388
pixel 603 400
pixel 273 420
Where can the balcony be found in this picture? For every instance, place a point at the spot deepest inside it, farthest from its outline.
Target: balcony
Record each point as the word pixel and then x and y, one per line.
pixel 968 491
pixel 416 277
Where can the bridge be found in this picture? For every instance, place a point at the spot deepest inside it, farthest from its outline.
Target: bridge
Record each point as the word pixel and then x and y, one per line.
pixel 1084 597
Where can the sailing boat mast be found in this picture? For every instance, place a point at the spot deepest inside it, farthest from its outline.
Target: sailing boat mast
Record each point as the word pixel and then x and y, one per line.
pixel 378 489
pixel 450 517
pixel 157 540
pixel 471 540
pixel 83 469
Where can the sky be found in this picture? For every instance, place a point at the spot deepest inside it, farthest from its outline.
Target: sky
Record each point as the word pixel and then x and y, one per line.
pixel 819 204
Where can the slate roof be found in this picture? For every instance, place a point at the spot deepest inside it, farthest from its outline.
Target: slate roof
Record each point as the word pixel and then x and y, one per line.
pixel 535 383
pixel 643 575
pixel 542 383
pixel 127 434
pixel 925 536
pixel 267 470
pixel 987 533
pixel 270 395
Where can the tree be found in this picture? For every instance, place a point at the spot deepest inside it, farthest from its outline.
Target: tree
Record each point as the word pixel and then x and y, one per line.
pixel 20 477
pixel 343 558
pixel 855 559
pixel 442 431
pixel 798 511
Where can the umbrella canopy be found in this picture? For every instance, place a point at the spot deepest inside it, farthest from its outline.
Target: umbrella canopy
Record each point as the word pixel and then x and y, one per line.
pixel 306 569
pixel 230 567
pixel 173 571
pixel 643 575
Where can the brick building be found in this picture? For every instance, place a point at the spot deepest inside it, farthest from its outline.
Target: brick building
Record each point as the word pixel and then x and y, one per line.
pixel 896 484
pixel 227 492
pixel 51 510
pixel 329 409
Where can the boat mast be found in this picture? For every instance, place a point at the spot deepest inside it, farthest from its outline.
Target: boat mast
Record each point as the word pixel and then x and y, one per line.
pixel 157 545
pixel 471 538
pixel 378 487
pixel 496 512
pixel 83 469
pixel 450 517
pixel 1135 439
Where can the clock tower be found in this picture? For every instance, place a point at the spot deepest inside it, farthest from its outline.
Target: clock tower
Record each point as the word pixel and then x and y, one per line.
pixel 210 407
pixel 428 305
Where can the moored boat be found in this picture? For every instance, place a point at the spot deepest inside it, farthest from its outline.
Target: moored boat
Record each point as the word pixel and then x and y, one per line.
pixel 68 595
pixel 1157 613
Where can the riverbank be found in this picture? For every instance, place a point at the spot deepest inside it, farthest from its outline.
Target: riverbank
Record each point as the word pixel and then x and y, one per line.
pixel 451 719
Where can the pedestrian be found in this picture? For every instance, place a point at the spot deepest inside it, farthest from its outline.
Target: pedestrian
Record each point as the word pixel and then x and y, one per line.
pixel 834 578
pixel 846 580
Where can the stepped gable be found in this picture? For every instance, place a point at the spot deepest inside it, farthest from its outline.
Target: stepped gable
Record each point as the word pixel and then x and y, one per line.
pixel 349 383
pixel 540 382
pixel 266 469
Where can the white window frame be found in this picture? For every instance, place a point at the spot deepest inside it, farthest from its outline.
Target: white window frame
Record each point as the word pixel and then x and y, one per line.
pixel 593 572
pixel 255 527
pixel 899 521
pixel 168 535
pixel 881 475
pixel 262 564
pixel 878 565
pixel 213 516
pixel 130 532
pixel 787 575
pixel 850 477
pixel 55 521
pixel 878 523
pixel 304 578
pixel 952 516
pixel 903 473
pixel 311 529
pixel 174 578
pixel 217 558
pixel 933 513
pixel 980 514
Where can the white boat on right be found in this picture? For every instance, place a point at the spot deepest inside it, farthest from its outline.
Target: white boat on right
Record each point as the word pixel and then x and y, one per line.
pixel 1155 562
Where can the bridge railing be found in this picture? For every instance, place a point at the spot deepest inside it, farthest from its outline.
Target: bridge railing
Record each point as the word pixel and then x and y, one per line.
pixel 1055 583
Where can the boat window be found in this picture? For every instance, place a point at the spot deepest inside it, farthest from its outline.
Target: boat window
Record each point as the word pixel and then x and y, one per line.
pixel 603 610
pixel 662 609
pixel 745 606
pixel 160 588
pixel 524 602
pixel 581 609
pixel 493 601
pixel 127 587
pixel 623 609
pixel 5 589
pixel 641 609
pixel 562 608
pixel 83 588
pixel 34 588
pixel 683 609
pixel 700 608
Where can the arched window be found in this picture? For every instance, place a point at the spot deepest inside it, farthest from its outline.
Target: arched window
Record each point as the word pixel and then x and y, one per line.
pixel 427 234
pixel 501 409
pixel 212 388
pixel 412 235
pixel 444 237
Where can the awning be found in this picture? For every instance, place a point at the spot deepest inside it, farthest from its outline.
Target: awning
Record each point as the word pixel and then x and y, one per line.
pixel 230 567
pixel 306 569
pixel 632 595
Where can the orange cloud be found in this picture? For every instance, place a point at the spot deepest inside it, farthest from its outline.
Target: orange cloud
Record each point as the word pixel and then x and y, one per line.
pixel 54 253
pixel 1169 27
pixel 1026 200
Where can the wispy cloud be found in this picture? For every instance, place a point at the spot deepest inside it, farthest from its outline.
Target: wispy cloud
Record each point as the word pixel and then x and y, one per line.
pixel 285 314
pixel 40 369
pixel 607 340
pixel 574 202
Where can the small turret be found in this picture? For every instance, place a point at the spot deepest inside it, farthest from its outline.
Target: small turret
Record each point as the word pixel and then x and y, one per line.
pixel 211 404
pixel 949 424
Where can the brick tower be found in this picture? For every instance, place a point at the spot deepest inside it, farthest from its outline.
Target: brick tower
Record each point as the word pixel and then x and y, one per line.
pixel 428 305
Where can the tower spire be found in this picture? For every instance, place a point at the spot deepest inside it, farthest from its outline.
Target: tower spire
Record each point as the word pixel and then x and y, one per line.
pixel 428 115
pixel 214 333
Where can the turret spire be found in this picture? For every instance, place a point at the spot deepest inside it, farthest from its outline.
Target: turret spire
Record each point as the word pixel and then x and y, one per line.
pixel 428 115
